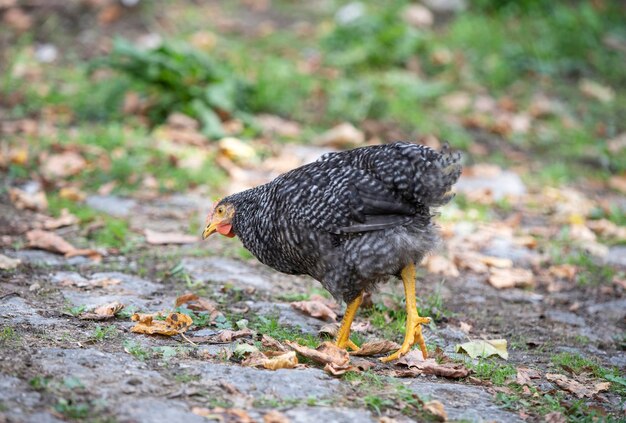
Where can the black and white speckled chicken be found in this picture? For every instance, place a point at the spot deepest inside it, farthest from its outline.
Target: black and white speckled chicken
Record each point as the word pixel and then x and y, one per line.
pixel 350 220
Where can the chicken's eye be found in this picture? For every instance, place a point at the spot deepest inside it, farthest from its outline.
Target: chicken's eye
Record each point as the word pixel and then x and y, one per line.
pixel 220 210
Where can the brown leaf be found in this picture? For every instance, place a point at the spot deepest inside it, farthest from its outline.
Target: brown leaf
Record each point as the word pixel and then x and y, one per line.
pixel 36 201
pixel 103 312
pixel 173 324
pixel 285 360
pixel 225 415
pixel 618 182
pixel 326 353
pixel 228 335
pixel 576 387
pixel 62 165
pixel 271 343
pixel 65 219
pixel 160 238
pixel 72 194
pixel 275 125
pixel 342 135
pixel 414 360
pixel 329 330
pixel 376 347
pixel 563 271
pixel 465 327
pixel 48 241
pixel 275 417
pixel 554 417
pixel 338 370
pixel 436 409
pixel 442 266
pixel 8 263
pixel 511 278
pixel 185 298
pixel 315 309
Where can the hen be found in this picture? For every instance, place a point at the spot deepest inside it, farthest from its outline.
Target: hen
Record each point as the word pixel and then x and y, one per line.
pixel 350 220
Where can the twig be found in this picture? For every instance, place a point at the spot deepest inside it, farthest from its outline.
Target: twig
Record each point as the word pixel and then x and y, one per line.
pixel 188 340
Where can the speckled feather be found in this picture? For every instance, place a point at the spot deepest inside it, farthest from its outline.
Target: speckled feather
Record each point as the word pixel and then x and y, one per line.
pixel 350 219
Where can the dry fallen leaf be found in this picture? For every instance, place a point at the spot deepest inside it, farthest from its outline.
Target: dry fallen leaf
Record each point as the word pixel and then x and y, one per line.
pixel 511 278
pixel 225 415
pixel 315 309
pixel 230 335
pixel 173 324
pixel 326 353
pixel 524 375
pixel 63 165
pixel 197 303
pixel 342 135
pixel 65 219
pixel 285 360
pixel 441 265
pixel 618 182
pixel 563 271
pixel 271 343
pixel 275 417
pixel 160 238
pixel 329 329
pixel 465 327
pixel 436 409
pixel 8 263
pixel 484 348
pixel 36 201
pixel 376 347
pixel 576 387
pixel 50 241
pixel 416 364
pixel 103 312
pixel 554 417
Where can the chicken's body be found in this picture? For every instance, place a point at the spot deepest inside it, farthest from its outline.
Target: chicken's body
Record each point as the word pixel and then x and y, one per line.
pixel 350 219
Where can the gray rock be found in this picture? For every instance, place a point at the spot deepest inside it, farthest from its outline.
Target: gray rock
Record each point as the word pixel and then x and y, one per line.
pixel 335 415
pixel 505 184
pixel 612 310
pixel 17 310
pixel 224 270
pixel 105 374
pixel 42 417
pixel 131 290
pixel 616 256
pixel 281 384
pixel 520 296
pixel 287 316
pixel 504 248
pixel 463 402
pixel 565 317
pixel 110 204
pixel 446 6
pixel 44 258
pixel 157 410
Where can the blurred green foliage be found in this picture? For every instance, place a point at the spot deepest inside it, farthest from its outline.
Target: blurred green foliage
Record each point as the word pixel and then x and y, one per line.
pixel 177 77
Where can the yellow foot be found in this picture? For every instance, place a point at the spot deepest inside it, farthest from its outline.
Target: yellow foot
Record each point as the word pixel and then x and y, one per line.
pixel 347 344
pixel 413 335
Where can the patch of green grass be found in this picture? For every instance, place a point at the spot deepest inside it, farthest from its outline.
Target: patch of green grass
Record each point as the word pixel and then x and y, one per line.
pixel 73 409
pixel 497 373
pixel 577 364
pixel 137 350
pixel 268 325
pixel 7 333
pixel 39 383
pixel 75 310
pixel 100 333
pixel 377 403
pixel 267 402
pixel 113 234
pixel 186 377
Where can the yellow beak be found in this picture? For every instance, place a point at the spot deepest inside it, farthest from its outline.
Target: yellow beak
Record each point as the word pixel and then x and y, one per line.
pixel 210 229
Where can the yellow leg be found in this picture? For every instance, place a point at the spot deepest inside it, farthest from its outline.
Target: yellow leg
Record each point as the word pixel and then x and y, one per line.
pixel 343 336
pixel 413 333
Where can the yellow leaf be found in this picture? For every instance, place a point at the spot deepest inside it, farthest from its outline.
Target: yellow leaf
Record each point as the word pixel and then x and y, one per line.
pixel 484 349
pixel 173 324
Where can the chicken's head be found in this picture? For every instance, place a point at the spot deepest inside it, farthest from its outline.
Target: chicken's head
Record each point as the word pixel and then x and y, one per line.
pixel 220 219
